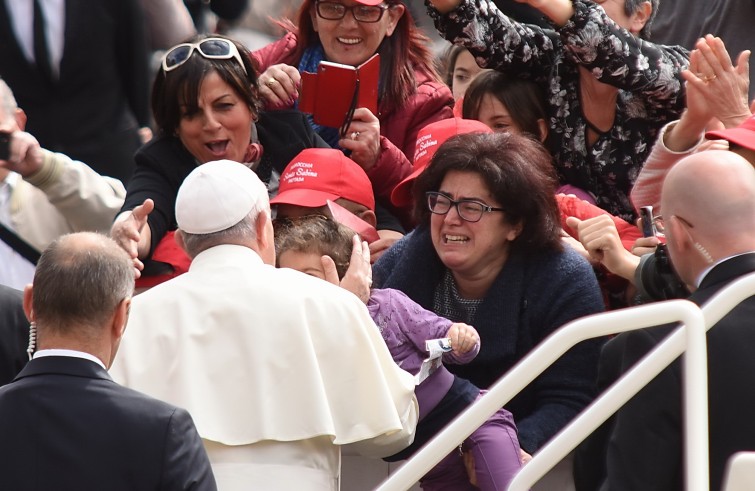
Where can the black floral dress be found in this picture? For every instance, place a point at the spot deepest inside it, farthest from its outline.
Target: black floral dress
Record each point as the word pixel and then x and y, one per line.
pixel 648 76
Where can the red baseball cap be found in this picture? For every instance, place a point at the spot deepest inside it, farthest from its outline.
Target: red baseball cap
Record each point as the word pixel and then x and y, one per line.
pixel 317 175
pixel 743 135
pixel 429 139
pixel 370 2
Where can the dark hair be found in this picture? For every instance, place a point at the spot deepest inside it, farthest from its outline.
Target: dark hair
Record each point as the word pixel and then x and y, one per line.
pixel 405 51
pixel 524 99
pixel 316 234
pixel 632 6
pixel 518 172
pixel 78 284
pixel 180 87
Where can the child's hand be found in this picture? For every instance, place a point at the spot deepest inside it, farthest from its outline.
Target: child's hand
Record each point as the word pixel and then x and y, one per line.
pixel 463 337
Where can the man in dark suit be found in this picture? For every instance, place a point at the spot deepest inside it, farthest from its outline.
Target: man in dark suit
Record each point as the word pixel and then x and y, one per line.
pixel 80 71
pixel 64 424
pixel 708 204
pixel 14 334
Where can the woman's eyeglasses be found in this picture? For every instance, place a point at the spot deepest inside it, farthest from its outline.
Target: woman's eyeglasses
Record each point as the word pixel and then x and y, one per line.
pixel 362 13
pixel 468 209
pixel 210 48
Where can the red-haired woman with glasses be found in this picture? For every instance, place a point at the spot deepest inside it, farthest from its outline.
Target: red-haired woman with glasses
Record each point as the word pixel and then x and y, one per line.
pixel 410 94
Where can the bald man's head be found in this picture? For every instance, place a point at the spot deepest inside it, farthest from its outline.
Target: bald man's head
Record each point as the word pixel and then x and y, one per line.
pixel 708 201
pixel 79 281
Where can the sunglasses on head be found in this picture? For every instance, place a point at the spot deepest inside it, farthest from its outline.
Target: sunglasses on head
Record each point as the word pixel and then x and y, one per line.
pixel 210 48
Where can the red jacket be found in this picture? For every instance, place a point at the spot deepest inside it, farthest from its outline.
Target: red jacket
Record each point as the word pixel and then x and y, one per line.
pixel 431 102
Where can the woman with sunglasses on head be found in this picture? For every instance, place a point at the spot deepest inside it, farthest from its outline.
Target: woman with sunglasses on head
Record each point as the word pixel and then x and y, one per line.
pixel 206 106
pixel 410 92
pixel 488 252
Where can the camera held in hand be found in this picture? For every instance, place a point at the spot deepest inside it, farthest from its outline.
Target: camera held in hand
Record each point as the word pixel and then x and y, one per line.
pixel 4 145
pixel 656 279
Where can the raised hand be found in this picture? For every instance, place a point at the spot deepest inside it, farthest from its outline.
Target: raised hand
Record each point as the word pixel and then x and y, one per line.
pixel 716 87
pixel 358 277
pixel 25 154
pixel 130 231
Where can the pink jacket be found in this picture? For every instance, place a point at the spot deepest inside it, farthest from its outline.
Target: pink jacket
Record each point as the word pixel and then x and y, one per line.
pixel 431 102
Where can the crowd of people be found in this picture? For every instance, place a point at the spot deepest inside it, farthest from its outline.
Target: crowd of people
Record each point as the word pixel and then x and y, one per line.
pixel 224 293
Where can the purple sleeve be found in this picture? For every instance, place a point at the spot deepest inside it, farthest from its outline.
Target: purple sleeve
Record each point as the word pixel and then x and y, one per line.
pixel 403 321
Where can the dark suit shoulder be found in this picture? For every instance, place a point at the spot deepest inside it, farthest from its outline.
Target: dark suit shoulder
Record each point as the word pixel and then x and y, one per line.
pixel 78 429
pixel 14 334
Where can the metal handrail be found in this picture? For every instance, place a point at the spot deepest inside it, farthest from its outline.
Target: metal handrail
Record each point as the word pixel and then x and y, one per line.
pixel 713 311
pixel 549 351
pixel 692 332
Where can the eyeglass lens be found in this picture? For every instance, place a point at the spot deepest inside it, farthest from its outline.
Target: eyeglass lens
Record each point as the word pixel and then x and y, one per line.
pixel 215 47
pixel 470 211
pixel 178 55
pixel 362 13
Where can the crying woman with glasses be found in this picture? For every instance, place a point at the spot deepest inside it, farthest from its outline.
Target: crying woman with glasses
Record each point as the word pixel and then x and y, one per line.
pixel 487 252
pixel 410 91
pixel 207 106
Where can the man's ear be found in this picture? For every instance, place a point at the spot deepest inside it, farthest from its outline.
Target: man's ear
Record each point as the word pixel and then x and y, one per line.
pixel 640 17
pixel 265 238
pixel 28 301
pixel 681 238
pixel 120 318
pixel 20 117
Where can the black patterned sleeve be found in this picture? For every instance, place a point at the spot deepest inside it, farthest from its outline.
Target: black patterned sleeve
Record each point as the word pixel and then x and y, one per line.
pixel 495 40
pixel 618 58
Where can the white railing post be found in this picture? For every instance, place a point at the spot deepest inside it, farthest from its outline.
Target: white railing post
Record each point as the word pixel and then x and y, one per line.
pixel 518 377
pixel 693 331
pixel 527 370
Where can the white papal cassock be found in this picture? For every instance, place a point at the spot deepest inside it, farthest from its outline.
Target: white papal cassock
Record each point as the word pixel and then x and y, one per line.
pixel 277 368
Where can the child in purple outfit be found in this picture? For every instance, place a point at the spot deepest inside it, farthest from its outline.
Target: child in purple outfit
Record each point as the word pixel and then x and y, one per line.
pixel 305 244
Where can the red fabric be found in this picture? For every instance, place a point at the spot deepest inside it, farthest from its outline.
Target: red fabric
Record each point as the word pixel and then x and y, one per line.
pixel 431 102
pixel 430 138
pixel 458 107
pixel 317 175
pixel 571 206
pixel 168 252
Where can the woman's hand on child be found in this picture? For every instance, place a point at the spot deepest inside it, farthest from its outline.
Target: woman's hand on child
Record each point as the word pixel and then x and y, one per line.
pixel 358 277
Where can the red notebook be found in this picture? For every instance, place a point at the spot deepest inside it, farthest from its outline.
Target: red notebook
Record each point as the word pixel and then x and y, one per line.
pixel 343 216
pixel 332 94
